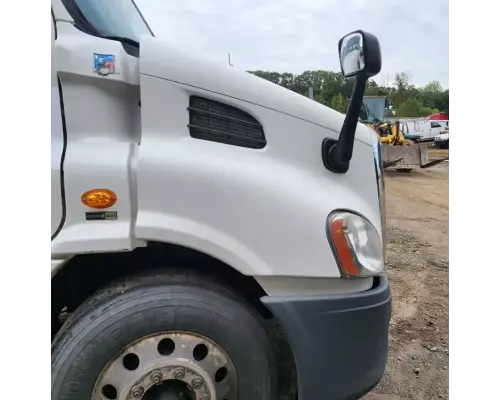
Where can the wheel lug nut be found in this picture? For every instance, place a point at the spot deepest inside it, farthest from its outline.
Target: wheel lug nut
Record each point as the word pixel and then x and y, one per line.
pixel 156 377
pixel 179 373
pixel 197 383
pixel 137 392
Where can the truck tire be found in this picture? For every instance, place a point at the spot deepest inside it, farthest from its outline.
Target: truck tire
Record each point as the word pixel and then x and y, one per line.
pixel 164 336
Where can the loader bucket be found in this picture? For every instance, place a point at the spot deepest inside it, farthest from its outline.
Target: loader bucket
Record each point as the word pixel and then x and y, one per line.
pixel 391 163
pixel 407 157
pixel 435 162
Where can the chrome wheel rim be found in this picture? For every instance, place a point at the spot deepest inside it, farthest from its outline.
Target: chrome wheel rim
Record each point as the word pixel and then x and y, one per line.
pixel 153 367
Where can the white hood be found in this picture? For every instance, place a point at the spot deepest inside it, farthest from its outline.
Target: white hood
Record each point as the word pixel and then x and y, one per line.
pixel 159 59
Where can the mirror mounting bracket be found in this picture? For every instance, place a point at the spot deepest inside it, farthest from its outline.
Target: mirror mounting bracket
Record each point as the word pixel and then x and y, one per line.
pixel 328 146
pixel 337 153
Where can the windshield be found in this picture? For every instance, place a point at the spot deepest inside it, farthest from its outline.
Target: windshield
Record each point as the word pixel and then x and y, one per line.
pixel 114 18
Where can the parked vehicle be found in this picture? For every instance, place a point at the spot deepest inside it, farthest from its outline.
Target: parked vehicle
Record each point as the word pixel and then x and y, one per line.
pixel 423 131
pixel 398 152
pixel 191 203
pixel 442 140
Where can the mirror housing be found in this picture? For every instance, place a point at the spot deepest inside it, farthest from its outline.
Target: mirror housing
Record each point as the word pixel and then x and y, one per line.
pixel 352 60
pixel 359 54
pixel 360 57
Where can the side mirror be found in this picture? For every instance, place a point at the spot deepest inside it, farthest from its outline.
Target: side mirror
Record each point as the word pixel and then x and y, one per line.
pixel 360 56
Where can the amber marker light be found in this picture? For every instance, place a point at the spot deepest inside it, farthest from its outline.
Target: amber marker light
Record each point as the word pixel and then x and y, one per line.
pixel 344 252
pixel 99 198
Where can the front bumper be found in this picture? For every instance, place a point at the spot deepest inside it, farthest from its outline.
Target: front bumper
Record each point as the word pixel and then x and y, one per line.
pixel 339 342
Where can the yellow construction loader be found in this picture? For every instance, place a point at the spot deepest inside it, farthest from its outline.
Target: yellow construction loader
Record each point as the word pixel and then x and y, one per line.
pixel 397 152
pixel 390 133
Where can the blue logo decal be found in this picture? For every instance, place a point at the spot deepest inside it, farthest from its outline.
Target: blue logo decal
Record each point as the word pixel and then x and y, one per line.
pixel 104 64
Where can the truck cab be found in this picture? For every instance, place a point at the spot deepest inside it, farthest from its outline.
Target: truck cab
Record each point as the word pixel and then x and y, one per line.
pixel 194 206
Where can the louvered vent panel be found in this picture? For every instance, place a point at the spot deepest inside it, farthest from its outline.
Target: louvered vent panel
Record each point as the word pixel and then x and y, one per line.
pixel 218 122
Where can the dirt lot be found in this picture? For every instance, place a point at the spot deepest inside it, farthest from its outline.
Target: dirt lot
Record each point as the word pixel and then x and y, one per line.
pixel 417 255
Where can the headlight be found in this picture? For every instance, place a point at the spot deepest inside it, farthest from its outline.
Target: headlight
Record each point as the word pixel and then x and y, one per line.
pixel 356 245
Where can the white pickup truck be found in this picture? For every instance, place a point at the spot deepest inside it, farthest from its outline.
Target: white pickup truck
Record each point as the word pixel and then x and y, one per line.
pixel 442 140
pixel 433 128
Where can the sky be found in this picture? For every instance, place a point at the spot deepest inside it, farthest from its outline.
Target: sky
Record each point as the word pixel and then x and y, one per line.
pixel 298 35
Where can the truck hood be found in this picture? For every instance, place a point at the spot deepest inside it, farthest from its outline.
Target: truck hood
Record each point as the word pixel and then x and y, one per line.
pixel 160 59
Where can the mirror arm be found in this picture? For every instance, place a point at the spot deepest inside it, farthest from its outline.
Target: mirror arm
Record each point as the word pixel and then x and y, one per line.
pixel 339 153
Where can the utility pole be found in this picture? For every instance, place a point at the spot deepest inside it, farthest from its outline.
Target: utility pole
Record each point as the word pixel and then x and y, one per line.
pixel 311 92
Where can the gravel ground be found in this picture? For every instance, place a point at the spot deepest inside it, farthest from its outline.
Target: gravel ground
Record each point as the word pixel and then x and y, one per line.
pixel 417 255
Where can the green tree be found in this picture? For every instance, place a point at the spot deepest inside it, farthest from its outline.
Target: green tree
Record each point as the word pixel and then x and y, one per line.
pixel 339 103
pixel 431 94
pixel 414 108
pixel 433 87
pixel 409 108
pixel 372 89
pixel 426 111
pixel 333 89
pixel 269 76
pixel 403 88
pixel 389 113
pixel 287 80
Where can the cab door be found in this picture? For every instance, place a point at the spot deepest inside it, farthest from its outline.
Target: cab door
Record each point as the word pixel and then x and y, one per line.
pixel 95 136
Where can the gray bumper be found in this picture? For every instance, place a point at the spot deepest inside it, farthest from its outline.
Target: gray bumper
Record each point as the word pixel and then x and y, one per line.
pixel 340 342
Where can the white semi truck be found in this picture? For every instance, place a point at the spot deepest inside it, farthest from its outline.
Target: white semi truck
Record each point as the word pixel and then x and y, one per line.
pixel 193 203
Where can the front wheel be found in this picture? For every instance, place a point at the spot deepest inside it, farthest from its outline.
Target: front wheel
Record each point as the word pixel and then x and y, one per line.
pixel 164 337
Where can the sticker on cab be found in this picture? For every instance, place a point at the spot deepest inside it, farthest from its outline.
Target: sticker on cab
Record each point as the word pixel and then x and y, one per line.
pixel 104 64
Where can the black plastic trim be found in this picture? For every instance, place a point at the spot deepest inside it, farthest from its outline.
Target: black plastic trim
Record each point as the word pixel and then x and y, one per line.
pixel 54 21
pixel 340 342
pixel 327 147
pixel 218 122
pixel 63 156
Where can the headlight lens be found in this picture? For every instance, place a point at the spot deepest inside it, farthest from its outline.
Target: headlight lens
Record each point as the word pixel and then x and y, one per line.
pixel 356 244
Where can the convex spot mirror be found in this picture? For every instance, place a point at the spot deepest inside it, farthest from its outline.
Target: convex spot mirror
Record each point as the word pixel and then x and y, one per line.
pixel 359 53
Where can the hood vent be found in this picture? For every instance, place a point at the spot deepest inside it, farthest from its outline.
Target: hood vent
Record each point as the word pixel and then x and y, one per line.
pixel 221 123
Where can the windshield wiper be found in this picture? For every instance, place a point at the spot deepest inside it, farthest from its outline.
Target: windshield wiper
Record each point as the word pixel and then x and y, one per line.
pixel 127 40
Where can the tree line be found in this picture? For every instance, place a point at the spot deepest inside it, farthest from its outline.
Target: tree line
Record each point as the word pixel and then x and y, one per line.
pixel 333 90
